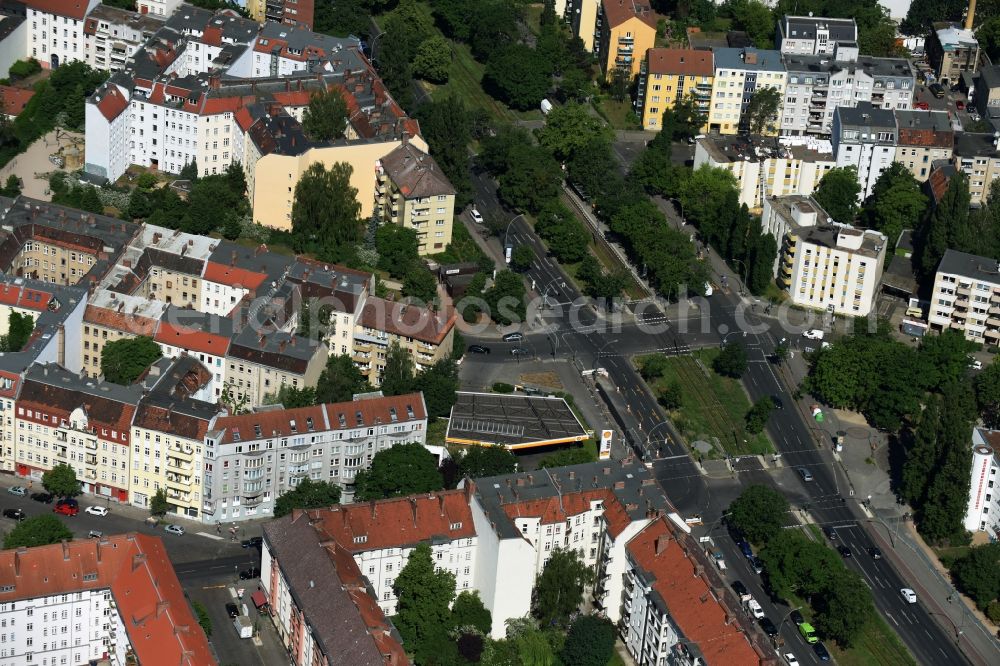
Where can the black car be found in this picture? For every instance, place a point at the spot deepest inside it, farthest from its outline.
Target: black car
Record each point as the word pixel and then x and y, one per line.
pixel 845 551
pixel 252 542
pixel 740 589
pixel 14 514
pixel 778 403
pixel 251 573
pixel 796 617
pixel 757 565
pixel 821 652
pixel 232 610
pixel 830 533
pixel 44 498
pixel 875 553
pixel 768 627
pixel 478 349
pixel 937 90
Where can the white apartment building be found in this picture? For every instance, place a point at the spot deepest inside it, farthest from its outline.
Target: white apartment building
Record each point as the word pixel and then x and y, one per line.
pixel 978 156
pixel 57 35
pixel 817 86
pixel 767 167
pixel 157 7
pixel 113 35
pixel 864 137
pixel 251 459
pixel 739 73
pixel 966 297
pixel 808 35
pixel 983 510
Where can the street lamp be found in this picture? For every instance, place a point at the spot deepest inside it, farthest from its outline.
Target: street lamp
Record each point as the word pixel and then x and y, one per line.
pixel 507 232
pixel 371 47
pixel 601 351
pixel 746 273
pixel 787 615
pixel 649 438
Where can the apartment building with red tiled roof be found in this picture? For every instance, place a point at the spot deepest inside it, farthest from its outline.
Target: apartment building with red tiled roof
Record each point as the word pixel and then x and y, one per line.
pixel 677 607
pixel 426 333
pixel 119 595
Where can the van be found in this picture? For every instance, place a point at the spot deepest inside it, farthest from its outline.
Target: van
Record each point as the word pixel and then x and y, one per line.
pixel 937 90
pixel 915 312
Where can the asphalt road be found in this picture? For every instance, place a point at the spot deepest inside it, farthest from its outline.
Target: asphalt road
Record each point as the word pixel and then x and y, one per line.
pixel 571 327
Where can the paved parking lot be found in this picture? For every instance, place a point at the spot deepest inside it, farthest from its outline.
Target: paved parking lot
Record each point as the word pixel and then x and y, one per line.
pixel 266 650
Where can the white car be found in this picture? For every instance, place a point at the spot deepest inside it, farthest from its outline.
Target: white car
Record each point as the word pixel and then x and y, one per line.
pixel 790 658
pixel 976 364
pixel 909 595
pixel 17 490
pixel 814 334
pixel 174 529
pixel 755 608
pixel 97 510
pixel 476 216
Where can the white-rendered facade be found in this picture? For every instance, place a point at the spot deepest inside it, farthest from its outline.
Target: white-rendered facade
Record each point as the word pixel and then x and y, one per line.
pixel 983 511
pixel 57 39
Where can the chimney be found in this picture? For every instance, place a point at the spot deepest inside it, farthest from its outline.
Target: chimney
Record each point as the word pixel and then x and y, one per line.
pixel 572 475
pixel 374 508
pixel 441 503
pixel 161 607
pixel 137 560
pixel 661 543
pixel 971 16
pixel 413 509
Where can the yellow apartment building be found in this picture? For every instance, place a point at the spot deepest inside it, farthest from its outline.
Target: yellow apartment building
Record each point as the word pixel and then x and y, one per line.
pixel 626 30
pixel 413 192
pixel 670 75
pixel 427 334
pixel 112 316
pixel 739 73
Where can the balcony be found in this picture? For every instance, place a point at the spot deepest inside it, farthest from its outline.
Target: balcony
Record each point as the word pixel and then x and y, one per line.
pixel 964 290
pixel 90 459
pixel 253 501
pixel 183 453
pixel 177 496
pixel 181 484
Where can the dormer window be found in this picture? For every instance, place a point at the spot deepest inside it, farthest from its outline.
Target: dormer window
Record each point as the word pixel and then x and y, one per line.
pixel 309 423
pixel 361 539
pixel 257 430
pixel 292 426
pixel 455 526
pixel 236 434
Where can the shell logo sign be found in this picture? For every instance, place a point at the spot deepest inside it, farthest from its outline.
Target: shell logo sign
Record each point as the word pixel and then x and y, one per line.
pixel 605 450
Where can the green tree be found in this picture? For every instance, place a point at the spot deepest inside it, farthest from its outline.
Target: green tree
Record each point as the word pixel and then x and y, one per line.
pixel 340 380
pixel 844 608
pixel 204 619
pixel 759 512
pixel 753 17
pixel 654 366
pixel 433 60
pixel 342 18
pixel 439 384
pixel 896 202
pixel 563 232
pixel 683 120
pixel 923 13
pixel 425 594
pixel 757 416
pixel 531 179
pixel 292 397
pixel 506 298
pixel 308 494
pixel 325 118
pixel 987 385
pixel 593 167
pixel 124 361
pixel 19 330
pixel 482 461
pixel 838 193
pixel 403 469
pixel 325 211
pixel 922 454
pixel 469 611
pixel 158 504
pixel 397 378
pixel 946 356
pixel 569 128
pixel 38 530
pixel 518 76
pixel 189 171
pixel 522 258
pixel 574 455
pixel 559 589
pixel 976 574
pixel 61 481
pixel 590 642
pixel 944 226
pixel 12 188
pixel 731 361
pixel 419 283
pixel 797 565
pixel 446 125
pixel 988 36
pixel 761 112
pixel 672 396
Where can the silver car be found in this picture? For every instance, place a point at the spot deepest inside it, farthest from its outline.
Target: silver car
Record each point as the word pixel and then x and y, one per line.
pixel 174 529
pixel 804 473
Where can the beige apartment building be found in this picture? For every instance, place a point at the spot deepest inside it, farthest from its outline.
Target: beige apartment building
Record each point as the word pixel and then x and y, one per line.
pixel 260 366
pixel 413 192
pixel 49 260
pixel 112 316
pixel 924 137
pixel 966 297
pixel 427 334
pixel 978 156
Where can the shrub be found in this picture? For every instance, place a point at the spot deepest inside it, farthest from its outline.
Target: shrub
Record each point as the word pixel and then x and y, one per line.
pixel 502 387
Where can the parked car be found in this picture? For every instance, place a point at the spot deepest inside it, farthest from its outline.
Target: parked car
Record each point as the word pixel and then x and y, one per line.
pixel 768 627
pixel 960 105
pixel 757 565
pixel 97 511
pixel 249 574
pixel 520 351
pixel 476 216
pixel 65 508
pixel 44 498
pixel 173 529
pixel 95 534
pixel 937 90
pixel 821 652
pixel 808 632
pixel 778 402
pixel 754 609
pixel 479 349
pixel 790 659
pixel 14 514
pixel 740 589
pixel 513 337
pixel 909 595
pixel 232 610
pixel 876 553
pixel 796 617
pixel 844 551
pixel 252 542
pixel 17 490
pixel 814 334
pixel 804 473
pixel 745 548
pixel 923 106
pixel 830 533
pixel 975 364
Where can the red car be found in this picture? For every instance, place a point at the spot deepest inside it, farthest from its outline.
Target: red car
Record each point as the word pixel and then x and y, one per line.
pixel 922 105
pixel 67 508
pixel 960 105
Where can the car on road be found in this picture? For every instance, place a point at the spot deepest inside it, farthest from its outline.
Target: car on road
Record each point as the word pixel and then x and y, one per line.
pixel 790 659
pixel 513 337
pixel 808 632
pixel 95 534
pixel 17 490
pixel 923 106
pixel 745 548
pixel 937 90
pixel 821 652
pixel 778 402
pixel 960 105
pixel 173 529
pixel 768 627
pixel 804 473
pixel 909 595
pixel 479 349
pixel 796 617
pixel 754 609
pixel 44 498
pixel 250 574
pixel 476 216
pixel 876 553
pixel 67 508
pixel 844 551
pixel 14 514
pixel 97 511
pixel 520 351
pixel 252 542
pixel 757 565
pixel 232 610
pixel 740 589
pixel 813 334
pixel 830 533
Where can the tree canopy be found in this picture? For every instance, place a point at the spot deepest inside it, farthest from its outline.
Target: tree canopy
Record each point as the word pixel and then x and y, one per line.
pixel 976 574
pixel 559 589
pixel 325 212
pixel 590 642
pixel 325 118
pixel 761 114
pixel 308 494
pixel 482 461
pixel 340 380
pixel 403 469
pixel 158 504
pixel 731 361
pixel 569 128
pixel 423 614
pixel 838 193
pixel 19 330
pixel 896 202
pixel 38 530
pixel 759 513
pixel 61 481
pixel 518 76
pixel 124 361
